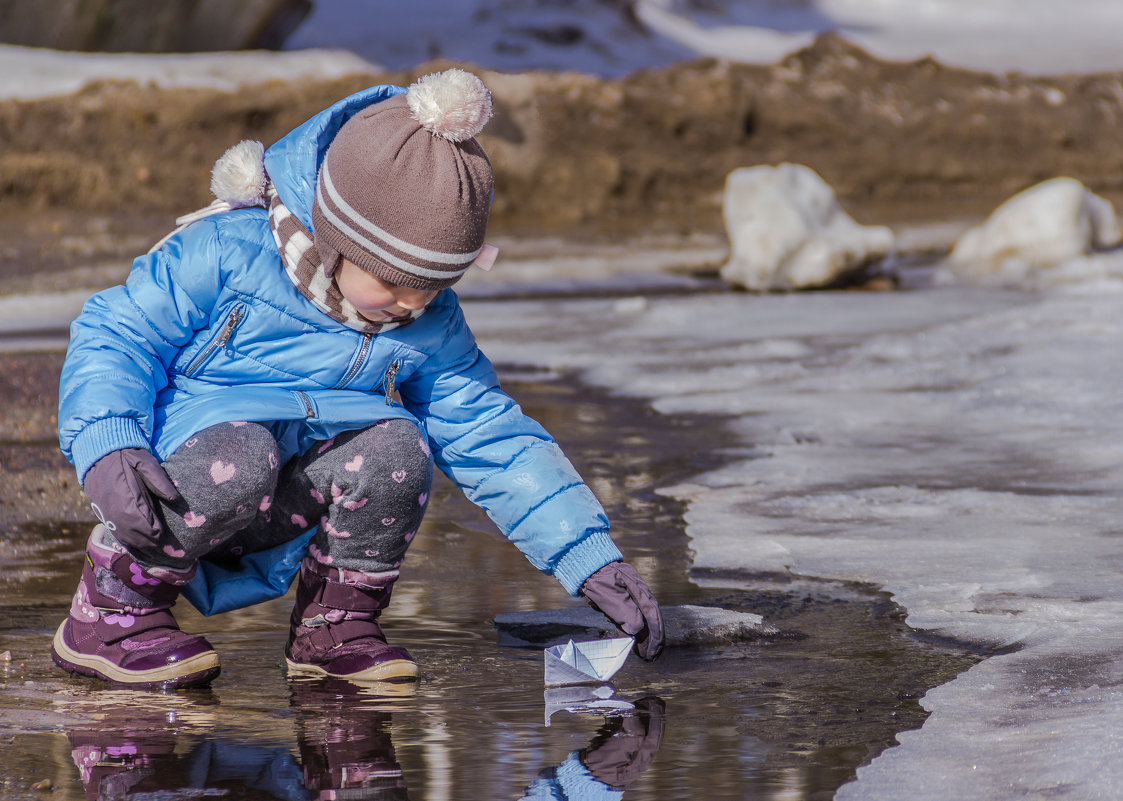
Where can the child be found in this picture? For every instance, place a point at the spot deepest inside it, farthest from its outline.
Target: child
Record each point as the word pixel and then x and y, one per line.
pixel 266 374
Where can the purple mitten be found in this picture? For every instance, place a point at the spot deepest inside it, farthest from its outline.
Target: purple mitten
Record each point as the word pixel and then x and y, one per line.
pixel 618 591
pixel 121 486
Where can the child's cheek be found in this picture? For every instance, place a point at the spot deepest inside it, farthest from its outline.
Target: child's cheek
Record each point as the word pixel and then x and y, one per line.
pixel 366 300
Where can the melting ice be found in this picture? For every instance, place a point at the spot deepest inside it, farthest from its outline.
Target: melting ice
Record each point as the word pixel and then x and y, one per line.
pixel 958 445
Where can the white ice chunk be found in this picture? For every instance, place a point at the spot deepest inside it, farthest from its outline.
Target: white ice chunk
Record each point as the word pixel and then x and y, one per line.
pixel 582 662
pixel 787 231
pixel 1042 228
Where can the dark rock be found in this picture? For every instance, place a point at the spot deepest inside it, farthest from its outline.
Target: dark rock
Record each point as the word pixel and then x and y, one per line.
pixel 694 626
pixel 144 26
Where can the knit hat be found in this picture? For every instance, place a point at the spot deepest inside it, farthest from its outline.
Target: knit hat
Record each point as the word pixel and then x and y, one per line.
pixel 405 189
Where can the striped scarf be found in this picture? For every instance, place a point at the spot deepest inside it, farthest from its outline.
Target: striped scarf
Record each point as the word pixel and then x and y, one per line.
pixel 305 269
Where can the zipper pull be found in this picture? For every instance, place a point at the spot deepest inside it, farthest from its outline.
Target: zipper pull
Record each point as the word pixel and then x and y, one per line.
pixel 231 324
pixel 391 379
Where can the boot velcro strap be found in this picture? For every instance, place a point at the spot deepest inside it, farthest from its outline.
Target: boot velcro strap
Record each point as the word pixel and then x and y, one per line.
pixel 113 625
pixel 140 581
pixel 333 635
pixel 335 595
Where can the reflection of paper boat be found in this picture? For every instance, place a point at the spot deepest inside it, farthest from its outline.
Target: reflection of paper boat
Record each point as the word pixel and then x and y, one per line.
pixel 586 699
pixel 583 662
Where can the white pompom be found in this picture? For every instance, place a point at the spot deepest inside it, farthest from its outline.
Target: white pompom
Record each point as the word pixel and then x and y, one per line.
pixel 453 104
pixel 238 176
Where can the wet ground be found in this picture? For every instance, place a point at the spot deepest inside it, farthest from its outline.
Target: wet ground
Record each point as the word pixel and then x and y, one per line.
pixel 791 717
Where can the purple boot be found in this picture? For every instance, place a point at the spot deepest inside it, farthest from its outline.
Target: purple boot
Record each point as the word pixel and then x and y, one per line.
pixel 334 628
pixel 120 630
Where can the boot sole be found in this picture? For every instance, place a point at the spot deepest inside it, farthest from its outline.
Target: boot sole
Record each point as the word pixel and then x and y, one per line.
pixel 196 671
pixel 383 671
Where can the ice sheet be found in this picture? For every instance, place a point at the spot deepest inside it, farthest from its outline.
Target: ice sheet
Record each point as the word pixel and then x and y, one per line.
pixel 956 445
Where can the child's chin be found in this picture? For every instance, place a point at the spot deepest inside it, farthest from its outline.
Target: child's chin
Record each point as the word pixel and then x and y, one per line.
pixel 383 317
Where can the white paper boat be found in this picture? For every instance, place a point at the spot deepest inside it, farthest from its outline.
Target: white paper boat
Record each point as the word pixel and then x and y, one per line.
pixel 583 662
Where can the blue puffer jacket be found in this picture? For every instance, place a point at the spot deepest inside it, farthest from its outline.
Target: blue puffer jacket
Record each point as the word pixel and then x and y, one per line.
pixel 210 329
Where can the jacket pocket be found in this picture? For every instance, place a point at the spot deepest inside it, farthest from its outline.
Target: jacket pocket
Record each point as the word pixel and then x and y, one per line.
pixel 226 331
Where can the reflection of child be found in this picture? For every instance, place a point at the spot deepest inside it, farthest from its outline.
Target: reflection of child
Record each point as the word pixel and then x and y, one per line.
pixel 623 749
pixel 345 750
pixel 264 373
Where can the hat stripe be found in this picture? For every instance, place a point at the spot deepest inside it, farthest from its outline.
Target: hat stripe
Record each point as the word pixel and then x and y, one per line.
pixel 355 221
pixel 405 266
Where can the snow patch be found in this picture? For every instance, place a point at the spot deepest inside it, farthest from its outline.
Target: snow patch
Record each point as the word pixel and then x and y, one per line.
pixel 31 73
pixel 787 231
pixel 1043 229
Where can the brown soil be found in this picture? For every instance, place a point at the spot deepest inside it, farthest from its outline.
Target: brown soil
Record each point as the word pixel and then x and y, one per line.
pixel 36 482
pixel 579 155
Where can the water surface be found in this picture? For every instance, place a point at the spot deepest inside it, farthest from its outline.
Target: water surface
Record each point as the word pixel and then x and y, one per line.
pixel 787 718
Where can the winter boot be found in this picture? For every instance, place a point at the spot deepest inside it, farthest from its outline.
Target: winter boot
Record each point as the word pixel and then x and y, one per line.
pixel 334 629
pixel 120 630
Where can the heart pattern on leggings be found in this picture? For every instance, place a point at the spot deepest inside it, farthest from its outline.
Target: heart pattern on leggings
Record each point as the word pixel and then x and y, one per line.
pixel 222 472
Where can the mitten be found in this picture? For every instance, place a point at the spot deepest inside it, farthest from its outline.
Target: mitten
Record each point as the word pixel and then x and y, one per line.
pixel 618 591
pixel 122 487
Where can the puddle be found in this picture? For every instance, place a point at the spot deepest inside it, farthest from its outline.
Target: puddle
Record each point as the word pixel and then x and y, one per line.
pixel 789 718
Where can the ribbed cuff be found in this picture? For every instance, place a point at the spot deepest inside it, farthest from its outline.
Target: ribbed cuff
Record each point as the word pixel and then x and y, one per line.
pixel 105 436
pixel 584 559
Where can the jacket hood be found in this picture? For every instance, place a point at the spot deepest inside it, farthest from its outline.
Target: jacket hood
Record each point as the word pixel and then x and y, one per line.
pixel 293 163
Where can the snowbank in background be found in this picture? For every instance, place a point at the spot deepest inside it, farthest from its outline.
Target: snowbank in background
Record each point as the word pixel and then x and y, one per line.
pixel 612 39
pixel 344 36
pixel 1039 230
pixel 787 231
pixel 1032 36
pixel 27 73
pixel 580 35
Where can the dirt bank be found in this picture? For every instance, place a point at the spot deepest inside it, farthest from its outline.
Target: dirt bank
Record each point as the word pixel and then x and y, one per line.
pixel 578 154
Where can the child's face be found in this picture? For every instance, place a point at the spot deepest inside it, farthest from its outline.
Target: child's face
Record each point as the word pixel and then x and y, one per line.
pixel 375 299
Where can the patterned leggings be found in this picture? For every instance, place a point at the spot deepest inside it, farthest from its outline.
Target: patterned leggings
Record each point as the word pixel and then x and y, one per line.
pixel 366 490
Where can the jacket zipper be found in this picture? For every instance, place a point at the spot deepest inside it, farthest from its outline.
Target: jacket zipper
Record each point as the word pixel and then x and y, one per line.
pixel 391 380
pixel 364 349
pixel 228 327
pixel 309 411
